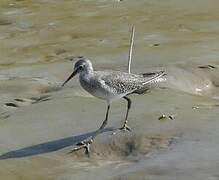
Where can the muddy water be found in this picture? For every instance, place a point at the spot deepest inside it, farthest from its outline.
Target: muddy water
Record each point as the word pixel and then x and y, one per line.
pixel 39 121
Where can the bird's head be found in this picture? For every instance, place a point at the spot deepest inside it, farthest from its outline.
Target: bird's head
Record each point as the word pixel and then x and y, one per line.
pixel 82 65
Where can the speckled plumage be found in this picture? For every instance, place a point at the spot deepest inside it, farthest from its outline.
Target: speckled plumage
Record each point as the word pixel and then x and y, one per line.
pixel 111 85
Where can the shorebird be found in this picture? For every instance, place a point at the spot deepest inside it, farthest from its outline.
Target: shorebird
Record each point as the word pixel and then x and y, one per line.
pixel 110 86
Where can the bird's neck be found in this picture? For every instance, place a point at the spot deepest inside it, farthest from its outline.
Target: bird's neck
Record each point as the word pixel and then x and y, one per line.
pixel 88 72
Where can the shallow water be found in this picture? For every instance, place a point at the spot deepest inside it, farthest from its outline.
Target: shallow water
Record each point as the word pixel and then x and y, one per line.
pixel 39 121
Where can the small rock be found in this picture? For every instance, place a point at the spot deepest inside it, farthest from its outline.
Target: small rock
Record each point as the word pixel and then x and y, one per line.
pixel 164 117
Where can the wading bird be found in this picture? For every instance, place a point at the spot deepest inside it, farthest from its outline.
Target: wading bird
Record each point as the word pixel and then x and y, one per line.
pixel 110 86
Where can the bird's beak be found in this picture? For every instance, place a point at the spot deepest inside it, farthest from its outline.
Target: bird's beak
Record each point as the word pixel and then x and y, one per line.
pixel 71 76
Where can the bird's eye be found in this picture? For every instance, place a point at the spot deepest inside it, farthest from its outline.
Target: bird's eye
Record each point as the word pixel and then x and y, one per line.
pixel 81 67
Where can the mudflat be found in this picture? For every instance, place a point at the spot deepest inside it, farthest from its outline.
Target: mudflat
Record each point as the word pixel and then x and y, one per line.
pixel 174 127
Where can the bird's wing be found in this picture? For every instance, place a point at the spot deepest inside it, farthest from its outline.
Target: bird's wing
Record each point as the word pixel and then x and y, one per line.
pixel 119 82
pixel 125 83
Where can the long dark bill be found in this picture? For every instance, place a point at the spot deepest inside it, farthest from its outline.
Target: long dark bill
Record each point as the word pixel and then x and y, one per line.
pixel 71 76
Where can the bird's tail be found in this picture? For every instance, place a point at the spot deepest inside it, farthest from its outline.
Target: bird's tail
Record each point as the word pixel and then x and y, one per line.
pixel 151 80
pixel 153 77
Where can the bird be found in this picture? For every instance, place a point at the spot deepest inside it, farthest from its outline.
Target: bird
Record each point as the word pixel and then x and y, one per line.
pixel 110 85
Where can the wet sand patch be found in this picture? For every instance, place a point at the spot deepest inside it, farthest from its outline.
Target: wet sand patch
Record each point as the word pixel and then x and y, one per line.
pixel 124 146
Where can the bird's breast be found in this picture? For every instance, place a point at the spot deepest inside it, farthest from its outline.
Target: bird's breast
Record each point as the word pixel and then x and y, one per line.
pixel 92 86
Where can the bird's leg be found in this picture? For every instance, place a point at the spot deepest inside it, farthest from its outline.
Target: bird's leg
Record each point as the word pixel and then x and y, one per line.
pixel 86 144
pixel 125 126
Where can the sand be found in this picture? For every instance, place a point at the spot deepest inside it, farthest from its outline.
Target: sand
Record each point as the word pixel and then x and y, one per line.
pixel 40 121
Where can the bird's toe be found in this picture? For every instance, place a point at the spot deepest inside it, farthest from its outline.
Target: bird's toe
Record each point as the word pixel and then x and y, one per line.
pixel 83 145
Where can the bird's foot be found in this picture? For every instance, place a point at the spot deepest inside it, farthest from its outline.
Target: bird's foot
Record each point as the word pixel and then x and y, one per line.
pixel 124 128
pixel 83 145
